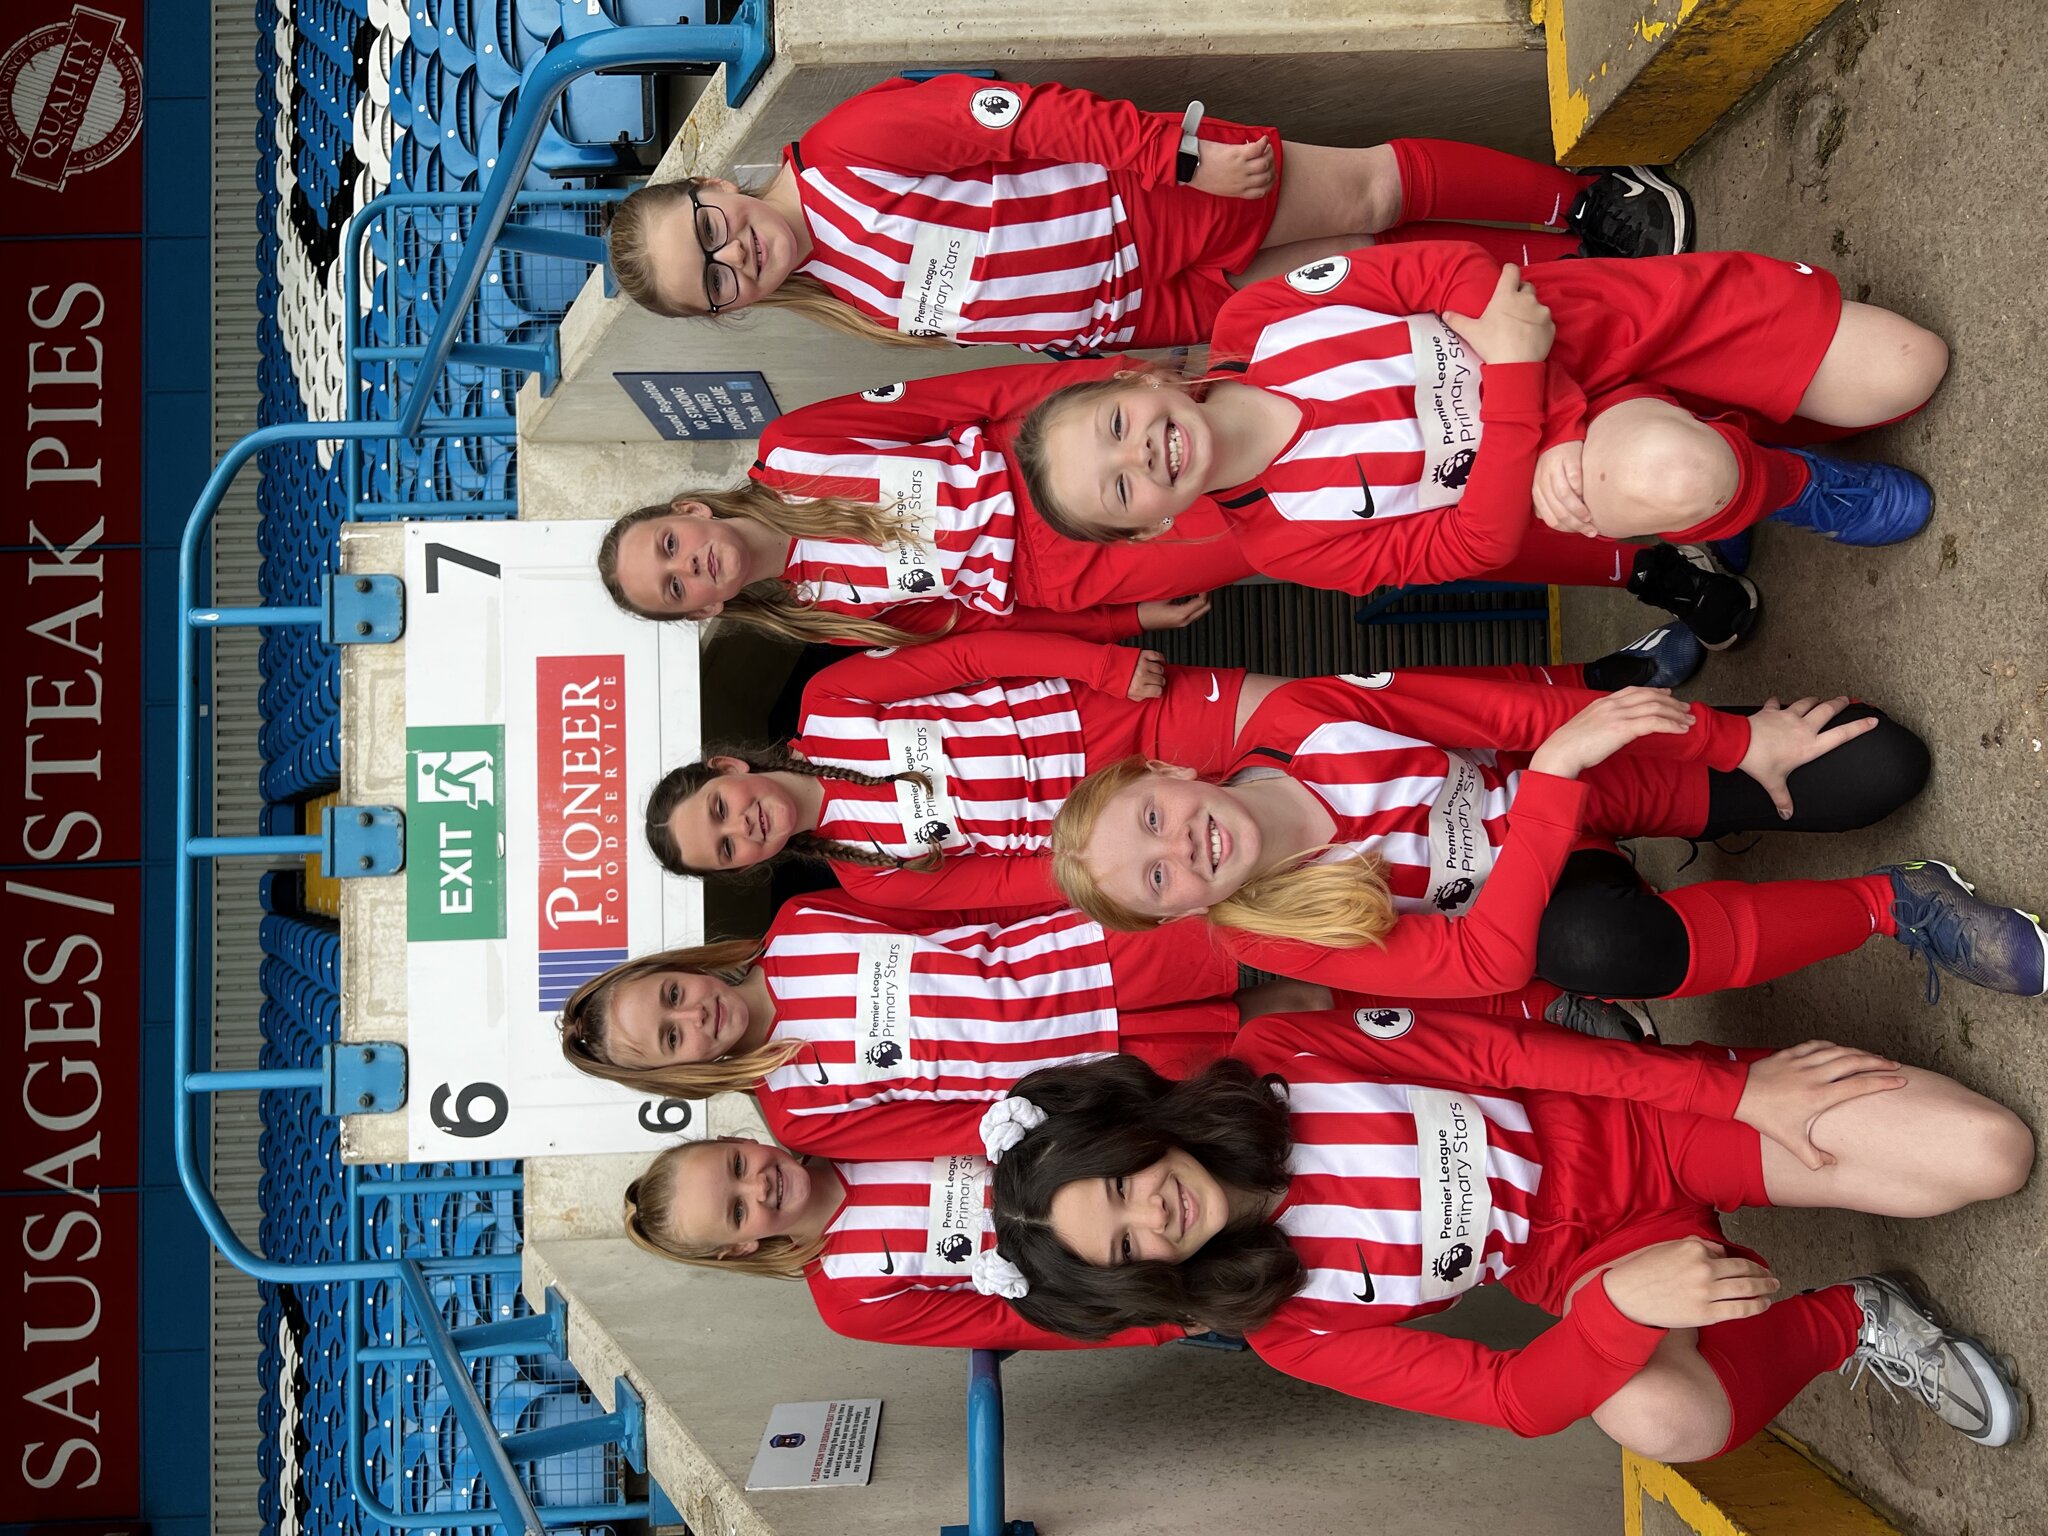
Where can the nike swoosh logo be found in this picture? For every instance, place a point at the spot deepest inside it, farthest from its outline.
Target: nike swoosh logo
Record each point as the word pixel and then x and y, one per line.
pixel 888 1259
pixel 1364 1274
pixel 1802 267
pixel 1363 490
pixel 1215 692
pixel 1635 188
pixel 820 1066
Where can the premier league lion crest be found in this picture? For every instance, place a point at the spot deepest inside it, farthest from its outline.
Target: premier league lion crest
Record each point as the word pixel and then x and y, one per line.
pixel 885 1054
pixel 1453 1262
pixel 955 1248
pixel 917 581
pixel 1452 894
pixel 1455 470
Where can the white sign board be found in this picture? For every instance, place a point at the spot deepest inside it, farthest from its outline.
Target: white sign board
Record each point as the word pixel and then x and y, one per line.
pixel 537 719
pixel 817 1445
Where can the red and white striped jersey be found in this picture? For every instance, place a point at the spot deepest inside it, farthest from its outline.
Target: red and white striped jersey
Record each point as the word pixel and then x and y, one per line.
pixel 1384 480
pixel 940 448
pixel 895 1267
pixel 1423 769
pixel 1406 1190
pixel 997 734
pixel 983 212
pixel 907 1033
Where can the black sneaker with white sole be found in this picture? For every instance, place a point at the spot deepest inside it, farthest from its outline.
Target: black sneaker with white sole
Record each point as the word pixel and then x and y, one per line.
pixel 1632 210
pixel 1909 1347
pixel 1688 581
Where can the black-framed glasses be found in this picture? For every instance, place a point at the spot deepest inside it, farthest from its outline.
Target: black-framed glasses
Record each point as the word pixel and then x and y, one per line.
pixel 721 283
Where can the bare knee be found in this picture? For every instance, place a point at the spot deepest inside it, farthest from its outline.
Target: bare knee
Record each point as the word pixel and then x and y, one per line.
pixel 1922 365
pixel 1656 474
pixel 2006 1158
pixel 1666 1415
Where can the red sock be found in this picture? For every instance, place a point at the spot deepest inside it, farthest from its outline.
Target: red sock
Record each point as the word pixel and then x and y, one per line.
pixel 1549 558
pixel 1767 479
pixel 1446 179
pixel 1741 934
pixel 1524 247
pixel 1762 1362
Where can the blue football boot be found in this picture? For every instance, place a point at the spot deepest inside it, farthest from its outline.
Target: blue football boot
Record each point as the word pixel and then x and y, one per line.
pixel 1943 921
pixel 1853 502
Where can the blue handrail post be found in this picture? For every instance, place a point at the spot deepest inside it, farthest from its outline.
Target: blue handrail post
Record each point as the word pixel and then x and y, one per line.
pixel 985 1451
pixel 744 46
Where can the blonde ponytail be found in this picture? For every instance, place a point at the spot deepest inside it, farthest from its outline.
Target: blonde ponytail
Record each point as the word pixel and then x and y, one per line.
pixel 650 1203
pixel 772 604
pixel 1343 904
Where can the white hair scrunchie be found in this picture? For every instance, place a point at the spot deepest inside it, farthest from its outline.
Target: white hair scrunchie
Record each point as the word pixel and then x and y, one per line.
pixel 995 1275
pixel 1005 1122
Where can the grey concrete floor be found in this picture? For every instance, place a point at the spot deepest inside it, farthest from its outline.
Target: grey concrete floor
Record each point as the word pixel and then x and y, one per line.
pixel 1903 148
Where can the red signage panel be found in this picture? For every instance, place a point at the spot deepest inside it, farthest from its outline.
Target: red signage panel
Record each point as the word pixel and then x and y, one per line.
pixel 72 681
pixel 72 1406
pixel 580 752
pixel 71 117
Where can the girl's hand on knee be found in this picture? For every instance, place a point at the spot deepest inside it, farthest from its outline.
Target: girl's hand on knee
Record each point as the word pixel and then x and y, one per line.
pixel 1148 681
pixel 1788 1091
pixel 1690 1283
pixel 1559 489
pixel 1607 725
pixel 1173 613
pixel 1515 328
pixel 1785 737
pixel 1235 170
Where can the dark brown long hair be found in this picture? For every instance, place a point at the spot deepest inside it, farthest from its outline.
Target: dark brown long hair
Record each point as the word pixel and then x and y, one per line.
pixel 678 784
pixel 1110 1118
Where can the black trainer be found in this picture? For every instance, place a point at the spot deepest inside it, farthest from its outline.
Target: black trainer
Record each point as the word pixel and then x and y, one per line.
pixel 1632 210
pixel 1686 580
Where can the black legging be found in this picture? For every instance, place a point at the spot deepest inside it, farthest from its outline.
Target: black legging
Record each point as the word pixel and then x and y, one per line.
pixel 1606 933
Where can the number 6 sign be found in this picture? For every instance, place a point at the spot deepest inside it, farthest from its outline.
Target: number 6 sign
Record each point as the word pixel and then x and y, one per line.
pixel 537 718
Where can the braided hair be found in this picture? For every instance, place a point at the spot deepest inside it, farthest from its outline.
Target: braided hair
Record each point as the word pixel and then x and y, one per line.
pixel 679 784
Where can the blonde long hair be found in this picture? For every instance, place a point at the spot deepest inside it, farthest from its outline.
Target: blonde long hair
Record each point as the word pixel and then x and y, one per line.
pixel 632 263
pixel 1341 905
pixel 773 604
pixel 587 1017
pixel 650 1203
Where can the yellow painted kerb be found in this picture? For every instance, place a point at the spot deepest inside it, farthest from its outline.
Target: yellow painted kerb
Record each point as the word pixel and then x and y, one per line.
pixel 1647 91
pixel 1764 1488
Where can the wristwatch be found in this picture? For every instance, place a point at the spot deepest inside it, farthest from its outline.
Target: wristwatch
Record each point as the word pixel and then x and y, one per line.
pixel 1190 156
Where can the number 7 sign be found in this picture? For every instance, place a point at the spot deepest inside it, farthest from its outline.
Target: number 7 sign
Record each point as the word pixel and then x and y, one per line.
pixel 537 718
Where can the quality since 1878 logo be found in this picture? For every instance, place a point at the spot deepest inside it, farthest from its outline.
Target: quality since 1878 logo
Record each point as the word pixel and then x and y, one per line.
pixel 70 98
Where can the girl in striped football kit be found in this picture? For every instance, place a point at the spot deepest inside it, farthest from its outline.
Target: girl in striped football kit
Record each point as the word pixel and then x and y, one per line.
pixel 887 1243
pixel 928 776
pixel 881 517
pixel 972 211
pixel 884 517
pixel 868 1033
pixel 1342 1174
pixel 1412 834
pixel 1392 415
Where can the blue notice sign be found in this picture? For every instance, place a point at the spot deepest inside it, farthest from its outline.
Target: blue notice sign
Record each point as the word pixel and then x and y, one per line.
pixel 690 406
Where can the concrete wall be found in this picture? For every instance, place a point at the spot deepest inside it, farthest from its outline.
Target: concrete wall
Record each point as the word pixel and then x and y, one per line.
pixel 1129 1442
pixel 1327 71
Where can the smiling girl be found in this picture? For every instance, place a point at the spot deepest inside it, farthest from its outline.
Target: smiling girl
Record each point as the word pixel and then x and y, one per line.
pixel 1387 417
pixel 878 518
pixel 1377 833
pixel 928 777
pixel 965 210
pixel 1336 1177
pixel 867 1033
pixel 876 1242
